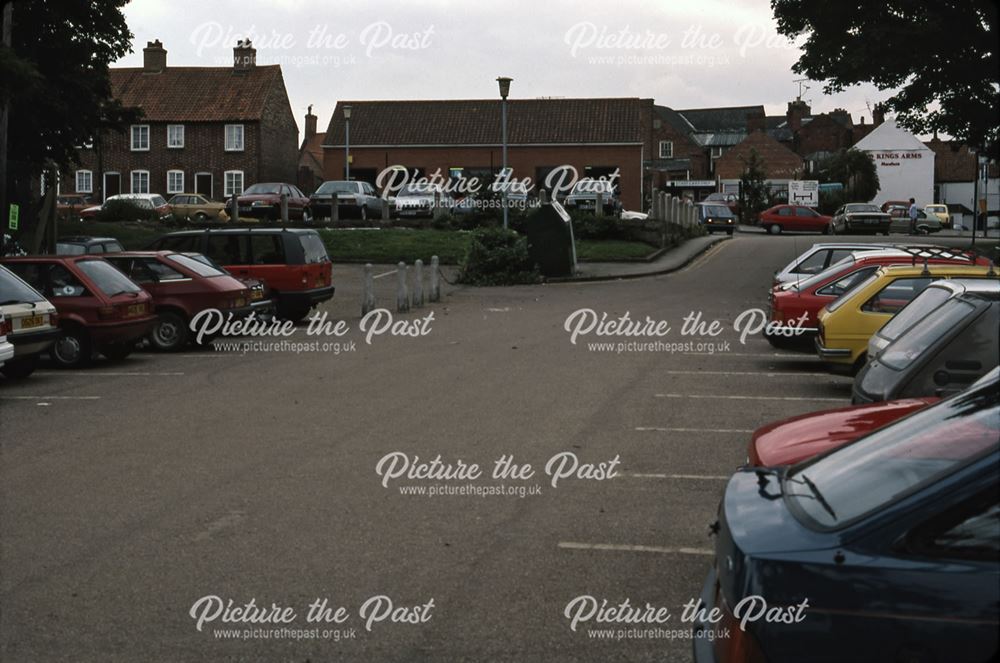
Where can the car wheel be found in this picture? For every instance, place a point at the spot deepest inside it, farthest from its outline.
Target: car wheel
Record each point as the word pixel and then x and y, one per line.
pixel 117 351
pixel 201 217
pixel 170 332
pixel 72 350
pixel 20 368
pixel 774 229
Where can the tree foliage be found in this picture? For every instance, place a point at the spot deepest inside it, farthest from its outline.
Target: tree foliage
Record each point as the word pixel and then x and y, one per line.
pixel 56 77
pixel 753 188
pixel 855 170
pixel 939 57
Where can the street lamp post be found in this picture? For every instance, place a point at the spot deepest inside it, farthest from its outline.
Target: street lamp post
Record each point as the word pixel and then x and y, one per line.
pixel 347 143
pixel 504 83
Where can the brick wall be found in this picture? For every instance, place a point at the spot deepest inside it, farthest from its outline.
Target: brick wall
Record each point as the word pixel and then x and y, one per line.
pixel 279 137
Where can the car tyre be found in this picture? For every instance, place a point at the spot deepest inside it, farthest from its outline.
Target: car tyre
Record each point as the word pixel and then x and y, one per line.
pixel 774 229
pixel 170 333
pixel 364 212
pixel 19 368
pixel 200 217
pixel 73 349
pixel 117 351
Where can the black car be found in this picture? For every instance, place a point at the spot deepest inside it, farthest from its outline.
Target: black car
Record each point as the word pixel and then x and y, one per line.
pixel 77 245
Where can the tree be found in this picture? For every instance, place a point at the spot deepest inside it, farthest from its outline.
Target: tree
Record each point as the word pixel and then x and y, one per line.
pixel 55 79
pixel 939 57
pixel 855 170
pixel 753 188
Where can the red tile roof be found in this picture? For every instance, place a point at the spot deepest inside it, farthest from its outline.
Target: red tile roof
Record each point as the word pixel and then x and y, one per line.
pixel 196 94
pixel 779 162
pixel 477 122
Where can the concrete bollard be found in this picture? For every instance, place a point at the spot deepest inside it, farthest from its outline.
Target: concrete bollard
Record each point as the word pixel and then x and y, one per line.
pixel 664 206
pixel 368 294
pixel 402 297
pixel 334 209
pixel 385 210
pixel 283 208
pixel 598 205
pixel 418 283
pixel 435 293
pixel 654 211
pixel 235 216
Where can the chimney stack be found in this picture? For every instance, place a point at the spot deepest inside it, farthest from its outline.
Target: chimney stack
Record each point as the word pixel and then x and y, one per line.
pixel 244 55
pixel 310 123
pixel 154 57
pixel 878 114
pixel 797 110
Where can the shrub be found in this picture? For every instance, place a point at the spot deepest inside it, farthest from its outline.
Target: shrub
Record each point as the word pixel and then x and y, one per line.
pixel 587 225
pixel 125 210
pixel 497 257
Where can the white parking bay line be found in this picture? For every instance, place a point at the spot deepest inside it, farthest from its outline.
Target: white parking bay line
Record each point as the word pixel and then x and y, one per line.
pixel 770 374
pixel 618 547
pixel 90 374
pixel 754 398
pixel 49 398
pixel 658 429
pixel 695 477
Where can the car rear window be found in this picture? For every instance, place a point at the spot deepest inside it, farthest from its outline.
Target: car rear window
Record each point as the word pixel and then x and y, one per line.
pixel 13 290
pixel 196 266
pixel 915 341
pixel 108 280
pixel 313 248
pixel 927 301
pixel 67 249
pixel 895 461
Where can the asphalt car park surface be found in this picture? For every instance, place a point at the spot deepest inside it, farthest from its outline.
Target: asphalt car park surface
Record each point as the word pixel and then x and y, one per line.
pixel 133 489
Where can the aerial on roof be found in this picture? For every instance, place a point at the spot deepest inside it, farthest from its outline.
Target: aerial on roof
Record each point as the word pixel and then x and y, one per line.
pixel 196 94
pixel 477 122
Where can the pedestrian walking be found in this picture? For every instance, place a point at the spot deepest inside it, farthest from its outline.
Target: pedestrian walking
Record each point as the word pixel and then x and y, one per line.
pixel 914 213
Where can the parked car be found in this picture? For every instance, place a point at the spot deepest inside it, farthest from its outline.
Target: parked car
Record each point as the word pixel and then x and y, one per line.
pixel 198 208
pixel 76 245
pixel 892 539
pixel 6 347
pixel 147 201
pixel 798 304
pixel 730 200
pixel 713 216
pixel 798 218
pixel 292 261
pixel 415 200
pixel 68 207
pixel 819 257
pixel 860 218
pixel 940 210
pixel 940 355
pixel 263 201
pixel 356 200
pixel 900 221
pixel 846 324
pixel 796 439
pixel 925 304
pixel 583 196
pixel 100 309
pixel 261 297
pixel 181 287
pixel 894 203
pixel 31 323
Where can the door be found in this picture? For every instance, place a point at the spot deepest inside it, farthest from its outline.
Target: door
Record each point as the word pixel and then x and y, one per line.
pixel 203 184
pixel 112 185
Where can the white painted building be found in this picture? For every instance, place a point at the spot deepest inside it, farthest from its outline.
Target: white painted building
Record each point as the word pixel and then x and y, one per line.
pixel 905 165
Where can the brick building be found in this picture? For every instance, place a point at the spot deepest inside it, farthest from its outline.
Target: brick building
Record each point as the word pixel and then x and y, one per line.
pixel 779 163
pixel 310 174
pixel 214 130
pixel 463 138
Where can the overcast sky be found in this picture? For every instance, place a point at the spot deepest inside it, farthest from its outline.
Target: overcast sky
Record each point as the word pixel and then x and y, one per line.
pixel 682 53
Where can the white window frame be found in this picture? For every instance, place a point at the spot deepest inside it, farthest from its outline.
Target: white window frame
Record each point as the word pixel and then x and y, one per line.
pixel 89 174
pixel 232 147
pixel 669 144
pixel 132 136
pixel 131 178
pixel 174 189
pixel 180 144
pixel 228 190
pixel 716 152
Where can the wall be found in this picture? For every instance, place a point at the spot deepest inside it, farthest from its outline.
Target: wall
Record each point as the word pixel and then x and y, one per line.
pixel 904 174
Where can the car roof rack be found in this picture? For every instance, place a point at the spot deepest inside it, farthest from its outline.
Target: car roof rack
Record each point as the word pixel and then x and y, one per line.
pixel 925 252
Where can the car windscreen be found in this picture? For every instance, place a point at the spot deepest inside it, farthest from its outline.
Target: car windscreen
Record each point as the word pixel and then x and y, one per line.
pixel 716 211
pixel 66 249
pixel 15 291
pixel 915 341
pixel 107 278
pixel 313 248
pixel 832 270
pixel 337 187
pixel 837 303
pixel 196 266
pixel 258 189
pixel 921 306
pixel 895 461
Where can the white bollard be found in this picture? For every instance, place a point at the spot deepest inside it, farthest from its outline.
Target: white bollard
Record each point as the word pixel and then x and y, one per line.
pixel 435 294
pixel 368 297
pixel 418 283
pixel 402 298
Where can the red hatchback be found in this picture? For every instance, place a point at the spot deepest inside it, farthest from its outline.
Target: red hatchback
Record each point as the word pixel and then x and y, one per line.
pixel 100 309
pixel 181 287
pixel 794 217
pixel 798 304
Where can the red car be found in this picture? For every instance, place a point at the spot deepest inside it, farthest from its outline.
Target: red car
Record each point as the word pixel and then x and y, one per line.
pixel 181 287
pixel 798 304
pixel 794 217
pixel 793 440
pixel 100 309
pixel 263 201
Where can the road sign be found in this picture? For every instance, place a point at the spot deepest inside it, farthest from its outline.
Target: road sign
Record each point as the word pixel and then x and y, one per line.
pixel 803 192
pixel 15 213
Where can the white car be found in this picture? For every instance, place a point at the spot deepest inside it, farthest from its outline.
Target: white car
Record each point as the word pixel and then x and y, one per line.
pixel 419 200
pixel 820 256
pixel 6 347
pixel 30 323
pixel 147 201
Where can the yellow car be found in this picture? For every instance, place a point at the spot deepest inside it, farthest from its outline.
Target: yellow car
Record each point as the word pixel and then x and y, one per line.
pixel 941 212
pixel 846 324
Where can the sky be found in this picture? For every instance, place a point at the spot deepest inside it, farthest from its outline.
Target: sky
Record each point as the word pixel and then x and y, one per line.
pixel 682 53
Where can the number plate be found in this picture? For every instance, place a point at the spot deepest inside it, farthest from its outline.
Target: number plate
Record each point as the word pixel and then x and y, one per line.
pixel 256 295
pixel 134 310
pixel 32 321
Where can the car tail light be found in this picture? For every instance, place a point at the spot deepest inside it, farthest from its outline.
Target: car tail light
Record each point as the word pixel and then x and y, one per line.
pixel 54 319
pixel 108 312
pixel 6 327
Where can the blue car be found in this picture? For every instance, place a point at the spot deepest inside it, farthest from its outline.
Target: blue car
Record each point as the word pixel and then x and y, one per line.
pixel 887 549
